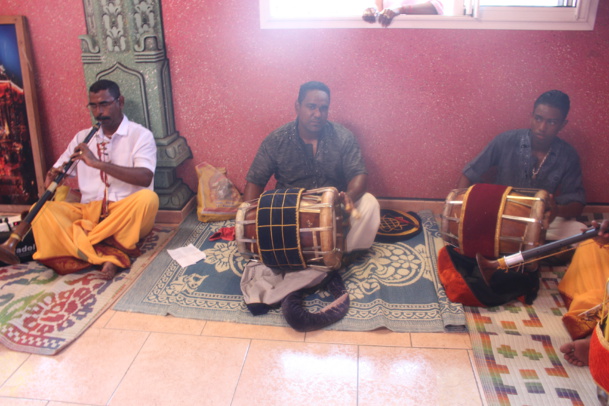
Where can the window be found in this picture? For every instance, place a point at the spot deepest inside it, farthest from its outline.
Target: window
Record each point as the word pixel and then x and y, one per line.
pixel 466 14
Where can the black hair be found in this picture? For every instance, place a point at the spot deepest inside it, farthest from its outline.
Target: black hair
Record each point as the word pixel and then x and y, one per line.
pixel 556 99
pixel 105 84
pixel 306 87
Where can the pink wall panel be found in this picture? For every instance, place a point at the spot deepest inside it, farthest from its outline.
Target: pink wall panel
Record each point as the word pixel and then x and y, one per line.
pixel 421 102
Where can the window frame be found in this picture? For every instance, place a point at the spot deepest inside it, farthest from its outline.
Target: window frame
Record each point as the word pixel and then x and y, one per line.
pixel 579 18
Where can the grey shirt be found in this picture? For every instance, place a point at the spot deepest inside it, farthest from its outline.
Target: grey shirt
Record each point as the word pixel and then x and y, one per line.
pixel 510 152
pixel 284 154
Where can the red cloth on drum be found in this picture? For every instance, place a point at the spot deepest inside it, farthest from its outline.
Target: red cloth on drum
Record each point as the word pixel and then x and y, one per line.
pixel 483 207
pixel 463 282
pixel 599 358
pixel 457 290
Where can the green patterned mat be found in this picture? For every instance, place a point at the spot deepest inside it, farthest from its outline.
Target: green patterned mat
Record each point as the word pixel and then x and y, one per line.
pixel 395 286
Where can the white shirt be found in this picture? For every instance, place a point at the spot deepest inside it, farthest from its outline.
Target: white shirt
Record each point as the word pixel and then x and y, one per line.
pixel 132 145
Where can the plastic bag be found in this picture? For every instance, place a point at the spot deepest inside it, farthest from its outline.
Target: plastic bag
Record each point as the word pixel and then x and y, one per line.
pixel 217 198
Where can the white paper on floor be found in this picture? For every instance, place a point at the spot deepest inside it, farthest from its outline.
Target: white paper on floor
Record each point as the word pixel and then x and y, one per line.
pixel 186 256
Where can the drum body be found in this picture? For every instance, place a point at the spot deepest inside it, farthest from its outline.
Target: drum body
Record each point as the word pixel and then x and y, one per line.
pixel 494 220
pixel 320 233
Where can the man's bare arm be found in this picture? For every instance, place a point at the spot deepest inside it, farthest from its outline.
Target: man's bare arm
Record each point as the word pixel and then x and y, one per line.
pixel 464 182
pixel 357 187
pixel 252 191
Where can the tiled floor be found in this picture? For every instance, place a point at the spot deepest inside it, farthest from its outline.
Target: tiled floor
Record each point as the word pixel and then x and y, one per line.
pixel 136 359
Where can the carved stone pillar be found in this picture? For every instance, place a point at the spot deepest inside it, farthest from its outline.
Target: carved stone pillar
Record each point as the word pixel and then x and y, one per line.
pixel 125 43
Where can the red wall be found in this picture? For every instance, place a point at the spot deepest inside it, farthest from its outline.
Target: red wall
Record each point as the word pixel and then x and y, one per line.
pixel 421 102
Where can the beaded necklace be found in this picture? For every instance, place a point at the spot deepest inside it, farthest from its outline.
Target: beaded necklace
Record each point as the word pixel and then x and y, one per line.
pixel 103 156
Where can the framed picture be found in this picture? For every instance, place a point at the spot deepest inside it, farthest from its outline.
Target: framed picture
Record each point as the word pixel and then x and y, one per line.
pixel 22 163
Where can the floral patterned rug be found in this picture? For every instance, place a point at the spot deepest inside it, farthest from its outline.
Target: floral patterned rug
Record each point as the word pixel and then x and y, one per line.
pixel 394 286
pixel 42 312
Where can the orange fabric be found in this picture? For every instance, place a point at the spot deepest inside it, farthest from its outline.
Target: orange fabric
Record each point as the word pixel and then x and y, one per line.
pixel 455 286
pixel 69 236
pixel 583 286
pixel 599 358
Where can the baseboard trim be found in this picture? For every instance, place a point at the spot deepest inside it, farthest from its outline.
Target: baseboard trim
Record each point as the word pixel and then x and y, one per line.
pixel 175 217
pixel 437 206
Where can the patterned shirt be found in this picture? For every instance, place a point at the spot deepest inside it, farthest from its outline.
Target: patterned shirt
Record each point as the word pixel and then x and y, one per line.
pixel 284 154
pixel 510 152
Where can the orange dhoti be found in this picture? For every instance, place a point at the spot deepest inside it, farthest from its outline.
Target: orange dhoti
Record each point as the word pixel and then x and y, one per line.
pixel 70 236
pixel 583 287
pixel 599 356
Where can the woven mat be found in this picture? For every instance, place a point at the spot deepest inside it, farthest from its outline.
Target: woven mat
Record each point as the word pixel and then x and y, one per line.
pixel 395 286
pixel 516 349
pixel 42 312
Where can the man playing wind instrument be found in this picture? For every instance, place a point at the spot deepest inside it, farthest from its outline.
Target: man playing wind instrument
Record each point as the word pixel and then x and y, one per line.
pixel 118 206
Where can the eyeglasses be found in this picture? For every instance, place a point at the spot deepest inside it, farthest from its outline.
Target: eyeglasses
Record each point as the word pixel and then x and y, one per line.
pixel 101 105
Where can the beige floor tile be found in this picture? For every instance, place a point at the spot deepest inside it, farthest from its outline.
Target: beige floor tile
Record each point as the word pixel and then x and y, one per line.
pixel 416 376
pixel 382 337
pixel 86 372
pixel 22 402
pixel 10 361
pixel 289 373
pixel 159 324
pixel 67 404
pixel 238 330
pixel 441 340
pixel 103 319
pixel 183 370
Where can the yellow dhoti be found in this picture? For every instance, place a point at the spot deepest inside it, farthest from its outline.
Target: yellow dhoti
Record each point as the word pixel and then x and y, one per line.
pixel 583 287
pixel 70 237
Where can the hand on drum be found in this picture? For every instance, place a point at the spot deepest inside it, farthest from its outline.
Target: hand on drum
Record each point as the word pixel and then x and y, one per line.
pixel 551 212
pixel 348 205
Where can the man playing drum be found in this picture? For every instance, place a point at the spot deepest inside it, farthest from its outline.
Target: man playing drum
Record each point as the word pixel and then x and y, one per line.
pixel 537 158
pixel 312 152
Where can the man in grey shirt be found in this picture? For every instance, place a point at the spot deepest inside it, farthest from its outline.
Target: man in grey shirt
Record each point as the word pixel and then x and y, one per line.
pixel 309 153
pixel 312 152
pixel 537 158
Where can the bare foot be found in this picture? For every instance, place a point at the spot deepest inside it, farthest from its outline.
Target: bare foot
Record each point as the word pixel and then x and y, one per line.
pixel 369 15
pixel 108 271
pixel 576 352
